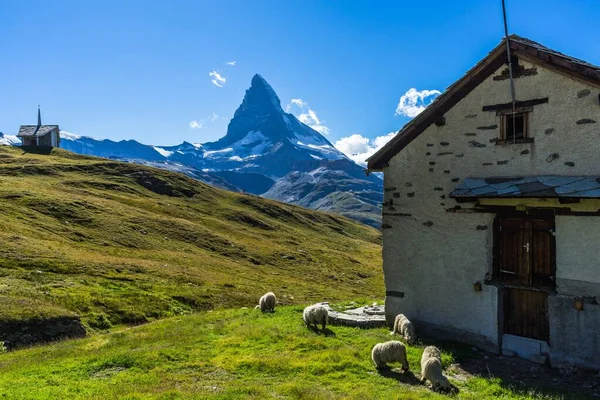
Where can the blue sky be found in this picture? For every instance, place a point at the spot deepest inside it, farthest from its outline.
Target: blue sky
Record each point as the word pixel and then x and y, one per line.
pixel 140 69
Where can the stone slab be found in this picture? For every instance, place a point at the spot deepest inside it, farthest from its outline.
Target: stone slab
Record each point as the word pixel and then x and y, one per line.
pixel 362 317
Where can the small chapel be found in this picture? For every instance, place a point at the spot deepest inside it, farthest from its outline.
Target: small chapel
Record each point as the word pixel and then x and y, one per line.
pixel 39 135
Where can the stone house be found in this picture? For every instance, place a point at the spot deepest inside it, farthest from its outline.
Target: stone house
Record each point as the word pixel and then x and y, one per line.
pixel 39 135
pixel 491 216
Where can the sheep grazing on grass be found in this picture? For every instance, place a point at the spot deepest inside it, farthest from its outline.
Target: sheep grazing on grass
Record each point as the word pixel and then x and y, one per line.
pixel 431 369
pixel 405 328
pixel 315 314
pixel 389 352
pixel 431 352
pixel 267 302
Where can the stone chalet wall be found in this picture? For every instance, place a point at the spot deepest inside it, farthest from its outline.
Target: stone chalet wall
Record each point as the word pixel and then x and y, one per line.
pixel 432 258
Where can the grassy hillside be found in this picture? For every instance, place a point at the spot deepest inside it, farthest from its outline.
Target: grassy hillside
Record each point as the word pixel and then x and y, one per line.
pixel 242 354
pixel 122 243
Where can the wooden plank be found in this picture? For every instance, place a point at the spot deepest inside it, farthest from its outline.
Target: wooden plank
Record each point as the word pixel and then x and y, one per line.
pixel 543 245
pixel 514 265
pixel 488 209
pixel 524 251
pixel 518 104
pixel 526 314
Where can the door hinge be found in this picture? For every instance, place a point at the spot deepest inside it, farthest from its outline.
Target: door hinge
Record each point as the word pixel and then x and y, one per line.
pixel 526 247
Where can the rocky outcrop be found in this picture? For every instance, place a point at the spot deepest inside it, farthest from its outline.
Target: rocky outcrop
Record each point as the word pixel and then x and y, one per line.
pixel 16 334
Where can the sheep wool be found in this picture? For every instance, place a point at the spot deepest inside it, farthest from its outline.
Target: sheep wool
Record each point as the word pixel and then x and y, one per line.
pixel 431 369
pixel 267 302
pixel 405 328
pixel 431 352
pixel 315 314
pixel 389 352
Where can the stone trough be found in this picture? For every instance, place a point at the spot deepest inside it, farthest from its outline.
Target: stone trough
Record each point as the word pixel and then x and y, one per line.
pixel 362 317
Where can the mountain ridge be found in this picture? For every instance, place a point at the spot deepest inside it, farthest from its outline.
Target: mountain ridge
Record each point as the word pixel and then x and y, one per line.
pixel 261 139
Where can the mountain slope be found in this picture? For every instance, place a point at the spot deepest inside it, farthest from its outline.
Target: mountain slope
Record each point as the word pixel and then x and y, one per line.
pixel 124 243
pixel 263 149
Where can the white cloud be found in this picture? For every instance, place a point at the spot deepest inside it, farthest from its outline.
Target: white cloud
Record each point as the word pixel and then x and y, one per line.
pixel 218 79
pixel 306 115
pixel 298 102
pixel 358 148
pixel 196 124
pixel 203 122
pixel 413 102
pixel 232 63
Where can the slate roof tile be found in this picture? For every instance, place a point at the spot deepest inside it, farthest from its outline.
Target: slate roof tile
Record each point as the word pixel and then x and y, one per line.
pixel 532 186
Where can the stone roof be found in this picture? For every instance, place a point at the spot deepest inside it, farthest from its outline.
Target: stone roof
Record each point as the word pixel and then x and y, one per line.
pixel 32 130
pixel 549 186
pixel 547 50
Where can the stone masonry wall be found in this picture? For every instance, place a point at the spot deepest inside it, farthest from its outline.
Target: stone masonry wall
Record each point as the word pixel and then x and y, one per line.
pixel 433 258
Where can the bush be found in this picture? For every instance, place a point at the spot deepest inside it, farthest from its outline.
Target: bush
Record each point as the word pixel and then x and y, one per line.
pixel 99 321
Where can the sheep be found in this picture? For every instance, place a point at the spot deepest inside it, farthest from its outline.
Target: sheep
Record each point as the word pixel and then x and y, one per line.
pixel 388 352
pixel 267 302
pixel 431 369
pixel 431 352
pixel 315 314
pixel 405 328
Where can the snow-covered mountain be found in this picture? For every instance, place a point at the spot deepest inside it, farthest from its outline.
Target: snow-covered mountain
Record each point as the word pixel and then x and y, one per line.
pixel 265 151
pixel 9 140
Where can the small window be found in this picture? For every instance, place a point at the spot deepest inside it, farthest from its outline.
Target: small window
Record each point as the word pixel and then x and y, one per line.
pixel 514 127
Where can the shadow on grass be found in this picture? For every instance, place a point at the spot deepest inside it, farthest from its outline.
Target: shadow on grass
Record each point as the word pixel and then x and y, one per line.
pixel 521 377
pixel 36 150
pixel 406 377
pixel 325 332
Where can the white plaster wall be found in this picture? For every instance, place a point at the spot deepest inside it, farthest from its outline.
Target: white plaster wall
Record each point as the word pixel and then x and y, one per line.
pixel 435 266
pixel 577 259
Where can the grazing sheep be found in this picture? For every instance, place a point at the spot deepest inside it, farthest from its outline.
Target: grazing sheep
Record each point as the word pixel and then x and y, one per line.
pixel 315 314
pixel 431 369
pixel 267 302
pixel 405 328
pixel 431 352
pixel 388 352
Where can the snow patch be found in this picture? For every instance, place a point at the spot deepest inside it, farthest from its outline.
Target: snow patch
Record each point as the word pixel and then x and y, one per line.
pixel 213 153
pixel 163 152
pixel 9 140
pixel 260 141
pixel 69 136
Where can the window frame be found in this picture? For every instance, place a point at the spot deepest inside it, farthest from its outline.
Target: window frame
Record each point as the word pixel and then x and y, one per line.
pixel 526 112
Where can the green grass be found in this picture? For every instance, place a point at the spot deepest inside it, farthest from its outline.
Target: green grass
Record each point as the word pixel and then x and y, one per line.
pixel 229 354
pixel 128 244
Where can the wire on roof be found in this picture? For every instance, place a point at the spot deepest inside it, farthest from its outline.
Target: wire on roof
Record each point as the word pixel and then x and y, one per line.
pixel 510 71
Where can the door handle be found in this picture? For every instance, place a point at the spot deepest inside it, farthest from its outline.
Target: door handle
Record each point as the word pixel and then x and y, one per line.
pixel 526 246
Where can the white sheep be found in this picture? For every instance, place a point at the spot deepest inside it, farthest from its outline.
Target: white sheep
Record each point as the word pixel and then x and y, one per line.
pixel 267 302
pixel 431 369
pixel 389 352
pixel 315 314
pixel 405 328
pixel 431 351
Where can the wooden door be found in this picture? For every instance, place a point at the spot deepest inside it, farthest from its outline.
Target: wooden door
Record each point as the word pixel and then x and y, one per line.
pixel 526 313
pixel 525 266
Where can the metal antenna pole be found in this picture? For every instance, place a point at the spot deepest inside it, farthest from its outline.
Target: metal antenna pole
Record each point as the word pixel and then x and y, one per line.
pixel 510 70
